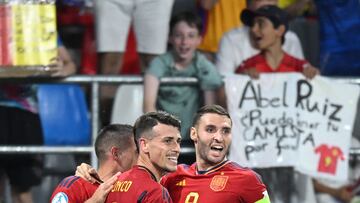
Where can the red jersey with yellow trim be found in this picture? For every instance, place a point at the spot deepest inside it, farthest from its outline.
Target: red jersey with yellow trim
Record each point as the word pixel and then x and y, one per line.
pixel 226 182
pixel 73 189
pixel 138 185
pixel 288 64
pixel 328 158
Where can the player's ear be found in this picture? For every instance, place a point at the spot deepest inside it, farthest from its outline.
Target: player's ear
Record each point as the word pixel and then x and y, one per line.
pixel 143 145
pixel 193 134
pixel 115 153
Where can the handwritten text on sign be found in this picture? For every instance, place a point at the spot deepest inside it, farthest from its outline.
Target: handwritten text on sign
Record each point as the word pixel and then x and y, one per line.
pixel 286 120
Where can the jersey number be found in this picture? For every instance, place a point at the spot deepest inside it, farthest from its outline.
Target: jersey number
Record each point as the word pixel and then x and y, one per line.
pixel 192 197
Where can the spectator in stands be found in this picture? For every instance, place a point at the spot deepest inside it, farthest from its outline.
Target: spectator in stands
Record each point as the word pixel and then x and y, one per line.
pixel 113 18
pixel 150 19
pixel 116 151
pixel 236 46
pixel 268 25
pixel 219 16
pixel 182 61
pixel 20 125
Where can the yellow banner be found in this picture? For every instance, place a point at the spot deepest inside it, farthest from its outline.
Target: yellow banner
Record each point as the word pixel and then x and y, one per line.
pixel 34 34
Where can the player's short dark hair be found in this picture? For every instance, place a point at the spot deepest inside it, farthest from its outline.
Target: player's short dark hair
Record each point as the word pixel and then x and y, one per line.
pixel 145 123
pixel 192 19
pixel 216 109
pixel 118 135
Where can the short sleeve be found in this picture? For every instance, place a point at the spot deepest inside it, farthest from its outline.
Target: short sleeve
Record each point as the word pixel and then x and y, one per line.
pixel 255 190
pixel 158 67
pixel 71 190
pixel 241 68
pixel 159 195
pixel 209 78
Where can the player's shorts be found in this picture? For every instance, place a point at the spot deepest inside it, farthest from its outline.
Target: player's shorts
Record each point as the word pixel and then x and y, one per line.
pixel 150 19
pixel 20 127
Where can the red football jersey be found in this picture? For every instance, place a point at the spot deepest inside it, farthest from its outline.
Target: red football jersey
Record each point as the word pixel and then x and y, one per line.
pixel 226 182
pixel 329 157
pixel 73 190
pixel 138 185
pixel 288 64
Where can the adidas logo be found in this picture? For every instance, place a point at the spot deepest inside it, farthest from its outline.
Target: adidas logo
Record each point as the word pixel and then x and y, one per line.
pixel 181 183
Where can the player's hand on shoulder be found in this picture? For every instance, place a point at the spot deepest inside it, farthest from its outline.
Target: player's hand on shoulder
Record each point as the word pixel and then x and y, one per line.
pixel 310 71
pixel 103 190
pixel 85 171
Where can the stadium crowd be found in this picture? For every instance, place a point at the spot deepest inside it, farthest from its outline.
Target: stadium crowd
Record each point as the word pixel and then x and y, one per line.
pixel 205 39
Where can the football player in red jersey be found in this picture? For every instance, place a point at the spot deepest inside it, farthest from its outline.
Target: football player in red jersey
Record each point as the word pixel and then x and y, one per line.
pixel 213 178
pixel 116 151
pixel 157 136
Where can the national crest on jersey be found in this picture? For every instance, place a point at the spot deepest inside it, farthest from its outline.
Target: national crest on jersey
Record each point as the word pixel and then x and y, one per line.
pixel 218 182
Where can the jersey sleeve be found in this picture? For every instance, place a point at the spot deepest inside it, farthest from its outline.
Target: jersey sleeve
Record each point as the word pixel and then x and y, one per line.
pixel 319 149
pixel 209 77
pixel 248 63
pixel 158 195
pixel 241 68
pixel 69 190
pixel 255 190
pixel 157 67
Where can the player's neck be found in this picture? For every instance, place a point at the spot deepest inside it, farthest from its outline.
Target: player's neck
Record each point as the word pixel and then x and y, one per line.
pixel 146 163
pixel 202 165
pixel 107 172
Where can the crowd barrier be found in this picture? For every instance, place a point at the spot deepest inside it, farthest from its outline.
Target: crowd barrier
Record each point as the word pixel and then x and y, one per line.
pixel 94 82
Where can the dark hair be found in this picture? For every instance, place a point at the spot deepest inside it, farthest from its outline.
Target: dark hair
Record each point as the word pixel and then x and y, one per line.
pixel 145 123
pixel 190 18
pixel 274 14
pixel 216 109
pixel 118 135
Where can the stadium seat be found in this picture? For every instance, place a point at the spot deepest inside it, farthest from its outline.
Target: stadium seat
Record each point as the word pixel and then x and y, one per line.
pixel 63 114
pixel 128 104
pixel 64 118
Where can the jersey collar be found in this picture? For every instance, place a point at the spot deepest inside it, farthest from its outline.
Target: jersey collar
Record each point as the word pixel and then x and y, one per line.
pixel 212 169
pixel 147 170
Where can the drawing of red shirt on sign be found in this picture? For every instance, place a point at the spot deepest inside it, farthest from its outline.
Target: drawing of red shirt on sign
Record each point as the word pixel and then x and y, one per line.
pixel 328 158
